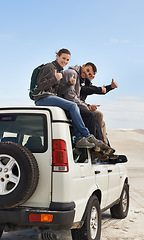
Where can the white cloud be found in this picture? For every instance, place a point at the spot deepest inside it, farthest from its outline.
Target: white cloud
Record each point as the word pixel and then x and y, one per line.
pixel 123 112
pixel 130 98
pixel 125 41
pixel 116 40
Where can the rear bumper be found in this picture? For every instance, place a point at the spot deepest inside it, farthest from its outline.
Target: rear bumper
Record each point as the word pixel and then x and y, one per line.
pixel 19 218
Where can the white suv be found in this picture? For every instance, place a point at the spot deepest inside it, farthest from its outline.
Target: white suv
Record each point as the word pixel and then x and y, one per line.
pixel 47 183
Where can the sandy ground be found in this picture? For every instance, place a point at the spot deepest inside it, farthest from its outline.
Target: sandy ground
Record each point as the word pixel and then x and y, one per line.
pixel 130 143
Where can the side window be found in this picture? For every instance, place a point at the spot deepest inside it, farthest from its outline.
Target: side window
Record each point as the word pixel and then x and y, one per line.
pixel 80 155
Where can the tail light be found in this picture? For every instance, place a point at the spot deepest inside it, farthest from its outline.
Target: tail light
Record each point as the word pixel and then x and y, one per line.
pixel 39 217
pixel 60 157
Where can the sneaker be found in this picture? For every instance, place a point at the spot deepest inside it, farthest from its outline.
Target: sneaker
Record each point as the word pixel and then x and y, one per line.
pixel 97 149
pixel 99 155
pixel 109 151
pixel 84 143
pixel 99 143
pixel 114 156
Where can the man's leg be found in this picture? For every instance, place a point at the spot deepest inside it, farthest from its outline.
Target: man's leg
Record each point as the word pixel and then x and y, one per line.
pixel 78 124
pixel 102 124
pixel 91 122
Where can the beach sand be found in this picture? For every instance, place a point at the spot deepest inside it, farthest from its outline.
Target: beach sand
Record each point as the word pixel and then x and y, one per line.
pixel 130 143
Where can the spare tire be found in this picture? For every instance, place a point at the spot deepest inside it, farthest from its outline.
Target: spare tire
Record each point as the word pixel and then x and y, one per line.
pixel 19 174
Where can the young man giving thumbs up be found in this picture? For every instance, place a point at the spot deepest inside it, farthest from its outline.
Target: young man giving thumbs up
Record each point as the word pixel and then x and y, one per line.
pixel 77 93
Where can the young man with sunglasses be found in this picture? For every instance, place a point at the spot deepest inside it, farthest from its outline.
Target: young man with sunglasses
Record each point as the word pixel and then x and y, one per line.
pixel 80 73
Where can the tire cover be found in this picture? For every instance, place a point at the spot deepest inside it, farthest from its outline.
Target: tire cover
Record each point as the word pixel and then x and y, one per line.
pixel 19 174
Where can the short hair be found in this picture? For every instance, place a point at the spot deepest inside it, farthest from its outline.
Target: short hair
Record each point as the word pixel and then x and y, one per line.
pixel 63 50
pixel 92 65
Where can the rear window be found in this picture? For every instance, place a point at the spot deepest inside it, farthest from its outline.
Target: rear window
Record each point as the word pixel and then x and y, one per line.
pixel 29 130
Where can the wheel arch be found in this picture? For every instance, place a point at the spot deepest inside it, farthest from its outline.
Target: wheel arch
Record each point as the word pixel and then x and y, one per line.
pixel 126 181
pixel 96 193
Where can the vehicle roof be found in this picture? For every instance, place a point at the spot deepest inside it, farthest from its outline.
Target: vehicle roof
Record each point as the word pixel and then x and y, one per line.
pixel 56 112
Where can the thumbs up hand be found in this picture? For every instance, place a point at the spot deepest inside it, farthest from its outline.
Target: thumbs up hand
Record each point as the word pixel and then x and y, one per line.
pixel 114 84
pixel 58 75
pixel 73 80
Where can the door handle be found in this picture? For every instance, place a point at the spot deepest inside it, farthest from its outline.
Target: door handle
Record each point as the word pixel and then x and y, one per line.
pixel 97 172
pixel 109 170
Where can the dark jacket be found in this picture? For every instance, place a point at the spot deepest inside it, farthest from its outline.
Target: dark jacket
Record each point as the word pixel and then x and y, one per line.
pixel 47 83
pixel 88 89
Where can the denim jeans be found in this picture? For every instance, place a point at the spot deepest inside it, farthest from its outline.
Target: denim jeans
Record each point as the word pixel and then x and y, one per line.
pixel 78 125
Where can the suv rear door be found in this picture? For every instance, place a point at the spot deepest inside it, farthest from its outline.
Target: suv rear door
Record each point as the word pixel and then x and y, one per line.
pixel 31 127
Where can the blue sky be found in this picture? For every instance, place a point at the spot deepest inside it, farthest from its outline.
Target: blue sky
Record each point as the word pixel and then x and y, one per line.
pixel 108 33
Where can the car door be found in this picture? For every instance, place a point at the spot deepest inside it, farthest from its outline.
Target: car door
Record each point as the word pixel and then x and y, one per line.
pixel 101 179
pixel 113 183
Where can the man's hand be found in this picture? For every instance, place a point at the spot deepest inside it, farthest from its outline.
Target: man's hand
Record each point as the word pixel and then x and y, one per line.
pixel 103 89
pixel 93 107
pixel 114 84
pixel 73 80
pixel 58 75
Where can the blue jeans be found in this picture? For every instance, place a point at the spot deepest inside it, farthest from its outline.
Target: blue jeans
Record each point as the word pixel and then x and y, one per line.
pixel 78 125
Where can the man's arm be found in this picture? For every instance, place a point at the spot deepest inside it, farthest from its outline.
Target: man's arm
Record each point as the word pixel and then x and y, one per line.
pixel 91 89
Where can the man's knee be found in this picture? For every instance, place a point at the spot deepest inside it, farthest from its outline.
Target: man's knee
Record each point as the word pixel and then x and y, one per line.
pixel 99 116
pixel 90 115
